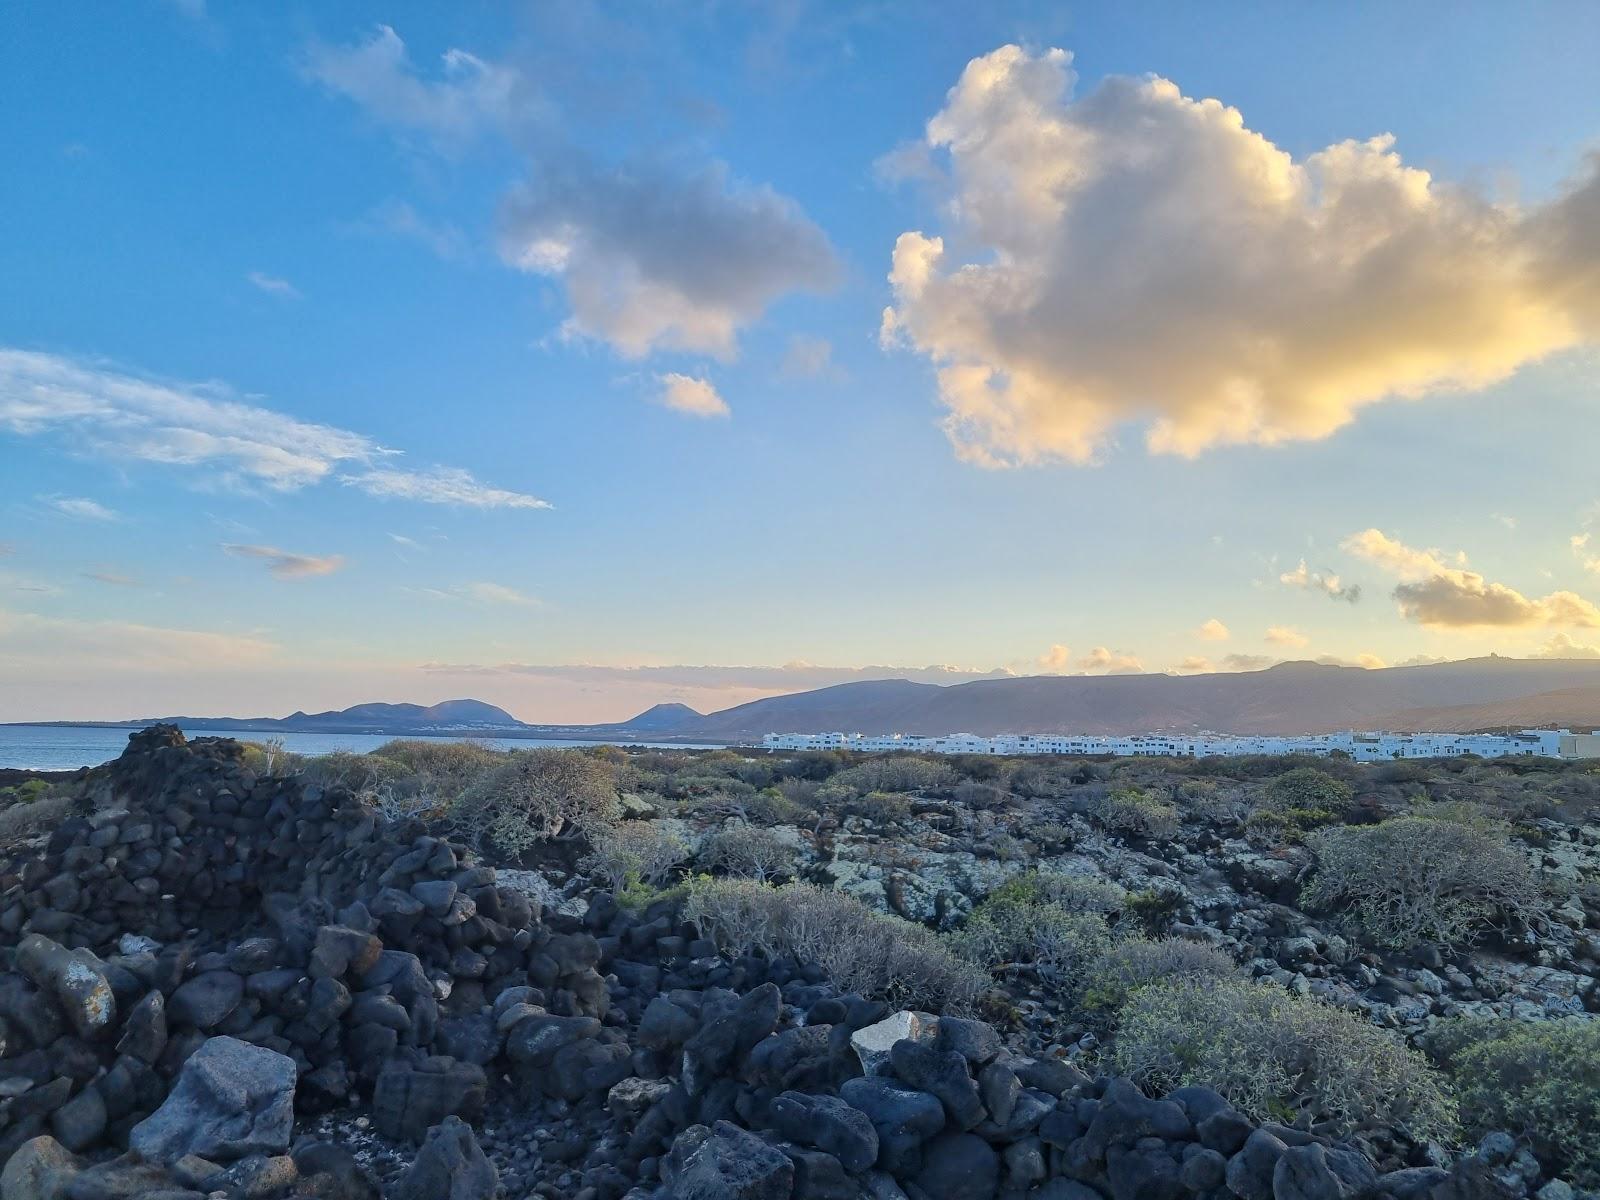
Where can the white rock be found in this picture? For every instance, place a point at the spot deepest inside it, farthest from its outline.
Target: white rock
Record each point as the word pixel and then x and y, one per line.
pixel 873 1042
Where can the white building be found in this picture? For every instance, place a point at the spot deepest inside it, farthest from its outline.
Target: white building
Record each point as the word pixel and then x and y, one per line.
pixel 1363 747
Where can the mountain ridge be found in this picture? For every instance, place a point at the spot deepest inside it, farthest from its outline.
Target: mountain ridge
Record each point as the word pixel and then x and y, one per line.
pixel 1289 698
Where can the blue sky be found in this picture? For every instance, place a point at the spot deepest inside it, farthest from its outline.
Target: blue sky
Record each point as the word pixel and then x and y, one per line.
pixel 613 282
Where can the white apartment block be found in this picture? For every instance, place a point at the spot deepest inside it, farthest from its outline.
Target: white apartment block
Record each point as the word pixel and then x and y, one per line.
pixel 1363 747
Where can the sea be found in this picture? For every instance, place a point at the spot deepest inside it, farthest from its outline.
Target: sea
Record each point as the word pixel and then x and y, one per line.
pixel 68 747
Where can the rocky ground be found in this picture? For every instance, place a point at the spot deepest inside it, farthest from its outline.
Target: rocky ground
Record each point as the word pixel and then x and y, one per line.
pixel 214 984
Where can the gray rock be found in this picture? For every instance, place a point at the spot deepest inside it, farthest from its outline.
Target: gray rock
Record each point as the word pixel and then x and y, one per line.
pixel 725 1162
pixel 450 1166
pixel 77 980
pixel 958 1166
pixel 411 1098
pixel 231 1099
pixel 39 1170
pixel 872 1043
pixel 206 1000
pixel 829 1124
pixel 1251 1171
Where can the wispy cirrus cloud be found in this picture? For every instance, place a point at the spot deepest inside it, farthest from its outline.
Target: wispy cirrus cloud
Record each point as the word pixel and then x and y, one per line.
pixel 113 578
pixel 122 417
pixel 285 564
pixel 1326 582
pixel 1442 593
pixel 273 285
pixel 81 508
pixel 1285 635
pixel 30 642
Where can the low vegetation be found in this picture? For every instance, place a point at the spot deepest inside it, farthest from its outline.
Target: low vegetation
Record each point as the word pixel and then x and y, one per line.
pixel 860 949
pixel 1278 1056
pixel 1540 1081
pixel 1425 879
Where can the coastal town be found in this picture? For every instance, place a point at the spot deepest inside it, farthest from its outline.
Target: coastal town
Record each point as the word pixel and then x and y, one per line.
pixel 1359 746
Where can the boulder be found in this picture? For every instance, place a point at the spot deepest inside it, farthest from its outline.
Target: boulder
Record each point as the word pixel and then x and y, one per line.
pixel 829 1124
pixel 231 1099
pixel 38 1170
pixel 958 1166
pixel 941 1073
pixel 872 1043
pixel 725 1162
pixel 77 980
pixel 450 1166
pixel 412 1097
pixel 903 1118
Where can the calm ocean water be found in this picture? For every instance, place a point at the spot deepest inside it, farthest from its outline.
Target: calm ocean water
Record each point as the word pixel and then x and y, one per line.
pixel 67 747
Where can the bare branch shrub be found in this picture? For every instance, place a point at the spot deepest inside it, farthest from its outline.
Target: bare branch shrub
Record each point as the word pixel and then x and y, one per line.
pixel 1415 880
pixel 748 852
pixel 861 950
pixel 1277 1056
pixel 635 852
pixel 537 795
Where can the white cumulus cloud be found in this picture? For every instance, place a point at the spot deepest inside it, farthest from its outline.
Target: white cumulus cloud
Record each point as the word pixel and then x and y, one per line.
pixel 1214 631
pixel 1284 635
pixel 1138 256
pixel 686 394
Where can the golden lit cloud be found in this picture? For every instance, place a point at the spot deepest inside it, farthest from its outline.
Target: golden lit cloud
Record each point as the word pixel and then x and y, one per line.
pixel 1444 594
pixel 1139 256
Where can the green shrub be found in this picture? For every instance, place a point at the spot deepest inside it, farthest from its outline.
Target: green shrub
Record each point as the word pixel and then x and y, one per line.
pixel 861 950
pixel 1135 811
pixel 1278 1057
pixel 1005 933
pixel 895 773
pixel 1153 909
pixel 1137 962
pixel 1308 788
pixel 1539 1080
pixel 1414 880
pixel 881 808
pixel 635 852
pixel 1073 893
pixel 537 795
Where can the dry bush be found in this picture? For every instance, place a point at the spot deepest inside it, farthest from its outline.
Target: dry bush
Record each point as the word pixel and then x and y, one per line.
pixel 1137 962
pixel 747 852
pixel 635 852
pixel 859 949
pixel 19 822
pixel 1539 1080
pixel 1135 811
pixel 1059 944
pixel 537 795
pixel 1278 1057
pixel 1415 880
pixel 895 773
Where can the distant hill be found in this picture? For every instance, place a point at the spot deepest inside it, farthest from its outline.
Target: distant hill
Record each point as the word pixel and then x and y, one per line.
pixel 1294 697
pixel 1571 708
